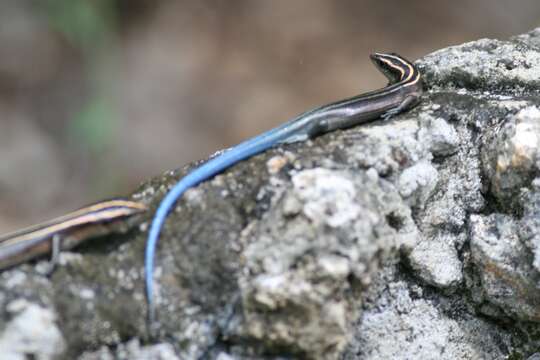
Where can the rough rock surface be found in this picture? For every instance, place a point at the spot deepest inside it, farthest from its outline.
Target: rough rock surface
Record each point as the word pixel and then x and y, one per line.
pixel 418 238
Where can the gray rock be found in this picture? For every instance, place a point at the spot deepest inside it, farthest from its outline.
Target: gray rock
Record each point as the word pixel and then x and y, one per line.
pixel 32 331
pixel 510 155
pixel 304 269
pixel 416 183
pixel 403 321
pixel 507 277
pixel 412 238
pixel 530 222
pixel 132 350
pixel 435 260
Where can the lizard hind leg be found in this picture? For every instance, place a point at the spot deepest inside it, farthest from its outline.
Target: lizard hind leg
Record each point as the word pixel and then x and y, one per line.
pixel 407 103
pixel 55 254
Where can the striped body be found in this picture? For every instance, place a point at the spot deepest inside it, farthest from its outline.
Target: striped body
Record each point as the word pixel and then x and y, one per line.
pixel 71 229
pixel 402 93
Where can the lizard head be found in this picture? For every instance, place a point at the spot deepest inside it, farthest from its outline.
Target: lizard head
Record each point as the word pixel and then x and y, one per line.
pixel 393 66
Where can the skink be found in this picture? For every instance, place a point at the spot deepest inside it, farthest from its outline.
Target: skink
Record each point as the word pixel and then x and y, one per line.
pixel 65 232
pixel 402 93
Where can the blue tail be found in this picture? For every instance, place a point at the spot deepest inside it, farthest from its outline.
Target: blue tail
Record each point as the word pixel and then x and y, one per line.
pixel 209 169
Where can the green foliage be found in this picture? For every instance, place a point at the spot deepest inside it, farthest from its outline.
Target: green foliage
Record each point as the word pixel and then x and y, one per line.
pixel 87 24
pixel 93 127
pixel 90 26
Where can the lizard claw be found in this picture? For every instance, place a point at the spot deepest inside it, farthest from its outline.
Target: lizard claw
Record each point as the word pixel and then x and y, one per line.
pixel 387 115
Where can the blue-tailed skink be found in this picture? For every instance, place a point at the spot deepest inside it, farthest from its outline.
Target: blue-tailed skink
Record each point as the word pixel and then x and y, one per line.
pixel 403 92
pixel 65 232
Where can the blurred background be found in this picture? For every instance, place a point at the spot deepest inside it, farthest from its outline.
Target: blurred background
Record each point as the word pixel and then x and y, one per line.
pixel 97 96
